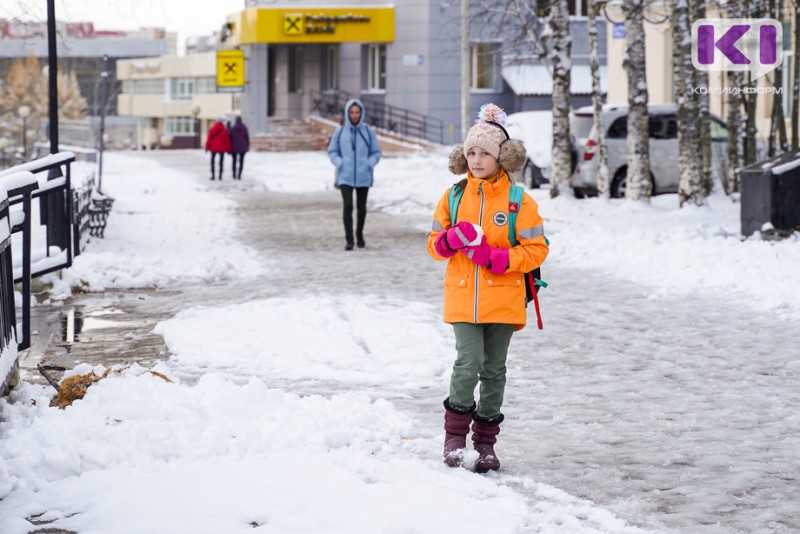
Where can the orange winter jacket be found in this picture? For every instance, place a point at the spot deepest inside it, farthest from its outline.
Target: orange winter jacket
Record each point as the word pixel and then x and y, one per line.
pixel 472 293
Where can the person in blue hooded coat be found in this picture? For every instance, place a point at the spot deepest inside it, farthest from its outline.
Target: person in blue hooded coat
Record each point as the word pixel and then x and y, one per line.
pixel 354 151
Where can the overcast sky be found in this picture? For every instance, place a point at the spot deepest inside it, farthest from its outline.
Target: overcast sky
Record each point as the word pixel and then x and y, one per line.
pixel 187 17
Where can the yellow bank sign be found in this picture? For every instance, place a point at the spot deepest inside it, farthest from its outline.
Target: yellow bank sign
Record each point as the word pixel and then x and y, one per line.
pixel 313 25
pixel 230 71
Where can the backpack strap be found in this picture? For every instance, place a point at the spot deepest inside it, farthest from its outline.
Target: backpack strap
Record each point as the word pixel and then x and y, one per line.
pixel 455 199
pixel 514 197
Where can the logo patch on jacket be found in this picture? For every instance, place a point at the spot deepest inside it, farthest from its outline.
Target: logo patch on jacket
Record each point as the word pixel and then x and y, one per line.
pixel 500 218
pixel 513 207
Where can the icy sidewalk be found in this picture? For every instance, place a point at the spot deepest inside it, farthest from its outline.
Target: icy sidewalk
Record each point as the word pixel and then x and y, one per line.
pixel 308 381
pixel 229 445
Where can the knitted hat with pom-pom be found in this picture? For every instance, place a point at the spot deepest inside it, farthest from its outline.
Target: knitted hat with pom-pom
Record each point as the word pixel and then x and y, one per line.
pixel 490 135
pixel 487 132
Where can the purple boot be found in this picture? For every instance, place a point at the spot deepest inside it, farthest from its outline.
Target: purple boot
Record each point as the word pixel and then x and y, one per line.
pixel 456 426
pixel 484 436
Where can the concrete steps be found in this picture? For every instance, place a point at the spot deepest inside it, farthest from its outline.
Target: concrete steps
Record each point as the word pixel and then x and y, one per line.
pixel 289 135
pixel 312 133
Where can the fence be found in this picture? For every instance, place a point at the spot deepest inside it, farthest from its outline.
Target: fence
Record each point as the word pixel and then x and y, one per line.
pixel 8 344
pixel 384 116
pixel 28 251
pixel 120 132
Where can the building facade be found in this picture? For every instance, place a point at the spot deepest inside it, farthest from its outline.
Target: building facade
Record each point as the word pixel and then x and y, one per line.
pixel 175 99
pixel 403 60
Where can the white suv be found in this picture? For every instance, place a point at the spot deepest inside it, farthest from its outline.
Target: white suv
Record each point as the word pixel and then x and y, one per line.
pixel 664 169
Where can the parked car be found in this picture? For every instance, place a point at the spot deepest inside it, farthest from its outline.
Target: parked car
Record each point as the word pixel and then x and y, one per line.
pixel 663 129
pixel 535 130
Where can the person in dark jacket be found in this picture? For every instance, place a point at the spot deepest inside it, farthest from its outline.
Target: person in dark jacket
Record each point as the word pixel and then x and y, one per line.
pixel 218 142
pixel 240 145
pixel 354 151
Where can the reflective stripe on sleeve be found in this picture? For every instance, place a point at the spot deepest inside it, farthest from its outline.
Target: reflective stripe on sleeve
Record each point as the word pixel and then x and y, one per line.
pixel 530 233
pixel 437 226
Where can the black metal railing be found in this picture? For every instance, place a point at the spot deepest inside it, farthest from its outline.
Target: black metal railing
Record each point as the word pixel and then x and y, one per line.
pixel 23 187
pixel 8 319
pixel 382 116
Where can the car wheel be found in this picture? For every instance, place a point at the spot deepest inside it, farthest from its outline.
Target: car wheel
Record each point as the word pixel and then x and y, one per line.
pixel 620 184
pixel 578 192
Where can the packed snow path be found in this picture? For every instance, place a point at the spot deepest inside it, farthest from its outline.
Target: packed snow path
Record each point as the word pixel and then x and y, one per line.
pixel 672 413
pixel 676 411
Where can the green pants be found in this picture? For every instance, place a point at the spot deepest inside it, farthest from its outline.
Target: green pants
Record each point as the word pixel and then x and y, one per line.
pixel 482 351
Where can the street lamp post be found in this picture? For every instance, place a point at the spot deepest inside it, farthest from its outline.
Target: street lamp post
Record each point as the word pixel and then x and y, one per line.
pixel 103 104
pixel 196 114
pixel 24 112
pixel 53 209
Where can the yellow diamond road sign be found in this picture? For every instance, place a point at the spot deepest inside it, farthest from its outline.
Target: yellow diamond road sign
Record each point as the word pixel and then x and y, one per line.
pixel 293 23
pixel 230 71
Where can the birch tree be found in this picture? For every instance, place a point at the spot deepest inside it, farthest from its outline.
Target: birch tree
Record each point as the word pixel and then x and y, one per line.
pixel 560 56
pixel 603 187
pixel 777 138
pixel 684 77
pixel 638 185
pixel 735 118
pixel 753 9
pixel 697 10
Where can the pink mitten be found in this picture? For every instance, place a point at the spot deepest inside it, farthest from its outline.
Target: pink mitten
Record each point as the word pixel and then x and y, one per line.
pixel 460 235
pixel 494 259
pixel 442 248
pixel 479 254
pixel 498 260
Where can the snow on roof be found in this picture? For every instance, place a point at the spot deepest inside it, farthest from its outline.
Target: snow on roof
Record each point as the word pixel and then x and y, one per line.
pixel 536 79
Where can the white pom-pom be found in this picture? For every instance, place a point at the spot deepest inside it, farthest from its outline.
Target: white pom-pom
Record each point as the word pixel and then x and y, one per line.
pixel 477 240
pixel 491 113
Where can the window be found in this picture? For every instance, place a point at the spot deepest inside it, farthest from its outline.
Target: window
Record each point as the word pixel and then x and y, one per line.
pixel 619 128
pixel 205 85
pixel 184 88
pixel 181 88
pixel 143 87
pixel 376 68
pixel 179 126
pixel 296 70
pixel 332 69
pixel 483 69
pixel 577 8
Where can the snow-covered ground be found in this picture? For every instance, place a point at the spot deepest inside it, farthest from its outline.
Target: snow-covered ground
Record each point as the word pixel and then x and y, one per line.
pixel 235 450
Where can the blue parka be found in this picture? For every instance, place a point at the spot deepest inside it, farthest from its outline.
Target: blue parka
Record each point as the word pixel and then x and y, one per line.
pixel 354 150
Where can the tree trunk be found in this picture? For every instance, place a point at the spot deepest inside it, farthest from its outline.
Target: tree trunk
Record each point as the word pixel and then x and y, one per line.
pixel 697 12
pixel 689 157
pixel 561 166
pixel 735 132
pixel 638 173
pixel 603 187
pixel 778 114
pixel 753 9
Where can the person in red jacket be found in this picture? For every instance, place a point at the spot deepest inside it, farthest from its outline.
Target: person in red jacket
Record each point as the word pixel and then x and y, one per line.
pixel 218 142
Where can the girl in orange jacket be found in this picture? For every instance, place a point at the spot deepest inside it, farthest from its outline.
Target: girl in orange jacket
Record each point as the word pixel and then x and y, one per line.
pixel 484 288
